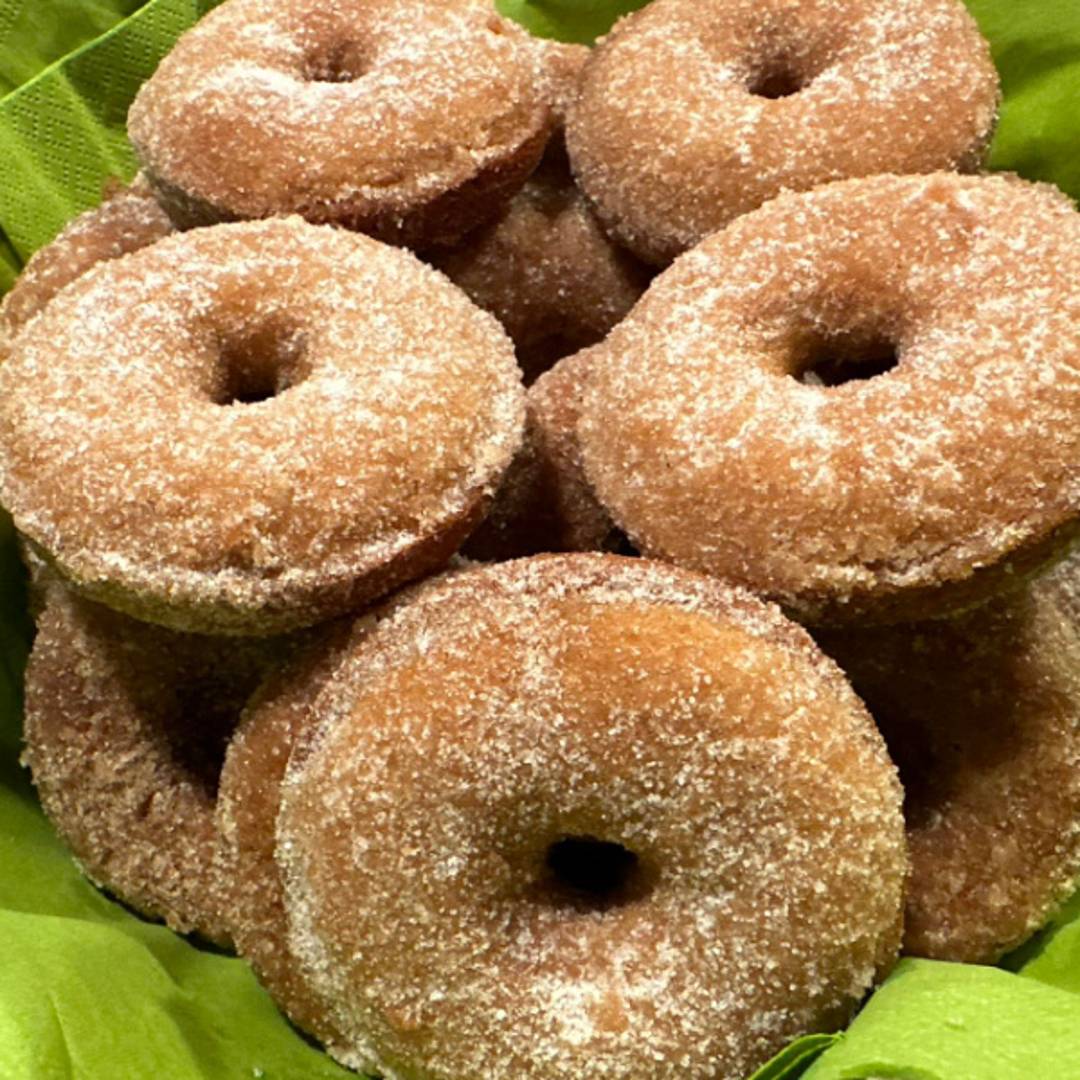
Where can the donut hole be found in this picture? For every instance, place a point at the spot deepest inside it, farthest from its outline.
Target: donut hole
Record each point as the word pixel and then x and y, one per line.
pixel 258 363
pixel 778 78
pixel 831 360
pixel 593 873
pixel 342 62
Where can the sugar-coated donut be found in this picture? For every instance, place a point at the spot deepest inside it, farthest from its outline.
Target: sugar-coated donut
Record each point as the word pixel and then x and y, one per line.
pixel 588 816
pixel 128 219
pixel 252 427
pixel 409 120
pixel 545 269
pixel 982 715
pixel 693 112
pixel 126 725
pixel 545 502
pixel 862 402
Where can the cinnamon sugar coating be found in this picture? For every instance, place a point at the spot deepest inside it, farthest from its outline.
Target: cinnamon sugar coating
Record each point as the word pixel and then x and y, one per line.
pixel 128 219
pixel 545 502
pixel 409 120
pixel 693 112
pixel 982 715
pixel 684 734
pixel 126 725
pixel 719 431
pixel 254 427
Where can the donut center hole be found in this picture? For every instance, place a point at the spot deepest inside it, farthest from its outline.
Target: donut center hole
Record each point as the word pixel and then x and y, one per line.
pixel 343 62
pixel 778 77
pixel 830 361
pixel 258 364
pixel 597 873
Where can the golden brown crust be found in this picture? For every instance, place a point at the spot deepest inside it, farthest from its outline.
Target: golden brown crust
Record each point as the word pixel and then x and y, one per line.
pixel 250 428
pixel 709 435
pixel 982 715
pixel 409 120
pixel 693 112
pixel 501 712
pixel 125 728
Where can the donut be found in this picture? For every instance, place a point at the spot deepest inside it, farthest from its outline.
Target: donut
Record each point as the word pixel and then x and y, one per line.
pixel 545 502
pixel 861 402
pixel 982 715
pixel 545 269
pixel 128 219
pixel 126 725
pixel 253 427
pixel 408 120
pixel 587 816
pixel 693 112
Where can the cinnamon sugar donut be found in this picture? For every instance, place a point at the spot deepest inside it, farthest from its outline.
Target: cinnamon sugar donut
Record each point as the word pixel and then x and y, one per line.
pixel 545 502
pixel 585 816
pixel 693 112
pixel 982 715
pixel 863 402
pixel 128 219
pixel 126 725
pixel 409 120
pixel 253 427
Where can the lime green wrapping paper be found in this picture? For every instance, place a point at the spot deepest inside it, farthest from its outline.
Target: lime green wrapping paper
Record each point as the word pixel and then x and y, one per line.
pixel 90 992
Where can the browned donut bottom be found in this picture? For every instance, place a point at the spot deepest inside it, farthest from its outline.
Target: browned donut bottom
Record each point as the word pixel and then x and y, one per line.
pixel 126 728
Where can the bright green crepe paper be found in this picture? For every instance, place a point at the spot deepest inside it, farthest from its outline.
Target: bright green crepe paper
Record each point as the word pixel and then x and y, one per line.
pixel 30 42
pixel 88 991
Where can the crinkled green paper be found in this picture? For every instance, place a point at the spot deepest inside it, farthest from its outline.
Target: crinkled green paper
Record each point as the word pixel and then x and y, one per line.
pixel 88 991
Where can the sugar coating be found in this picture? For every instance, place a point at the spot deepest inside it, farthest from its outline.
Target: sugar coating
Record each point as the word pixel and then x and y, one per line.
pixel 677 129
pixel 396 407
pixel 545 269
pixel 512 706
pixel 922 489
pixel 545 502
pixel 371 113
pixel 126 725
pixel 982 715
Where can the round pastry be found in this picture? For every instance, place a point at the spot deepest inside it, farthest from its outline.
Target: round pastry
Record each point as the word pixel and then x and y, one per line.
pixel 693 112
pixel 545 502
pixel 545 269
pixel 128 219
pixel 862 402
pixel 254 427
pixel 409 120
pixel 588 816
pixel 126 726
pixel 982 715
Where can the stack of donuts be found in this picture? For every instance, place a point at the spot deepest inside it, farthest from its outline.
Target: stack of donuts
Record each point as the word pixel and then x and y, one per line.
pixel 630 724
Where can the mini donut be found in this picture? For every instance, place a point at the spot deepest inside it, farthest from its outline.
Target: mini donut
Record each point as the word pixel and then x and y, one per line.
pixel 982 715
pixel 588 816
pixel 545 502
pixel 250 428
pixel 545 269
pixel 128 219
pixel 408 120
pixel 693 112
pixel 126 726
pixel 862 402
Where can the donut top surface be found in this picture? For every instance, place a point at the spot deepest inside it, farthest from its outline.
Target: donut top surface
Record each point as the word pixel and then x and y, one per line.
pixel 588 816
pixel 316 107
pixel 693 112
pixel 863 402
pixel 229 421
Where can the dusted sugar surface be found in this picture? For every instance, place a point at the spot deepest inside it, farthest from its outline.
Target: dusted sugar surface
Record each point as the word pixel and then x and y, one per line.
pixel 364 112
pixel 693 112
pixel 253 427
pixel 730 424
pixel 595 700
pixel 545 502
pixel 126 726
pixel 982 715
pixel 127 220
